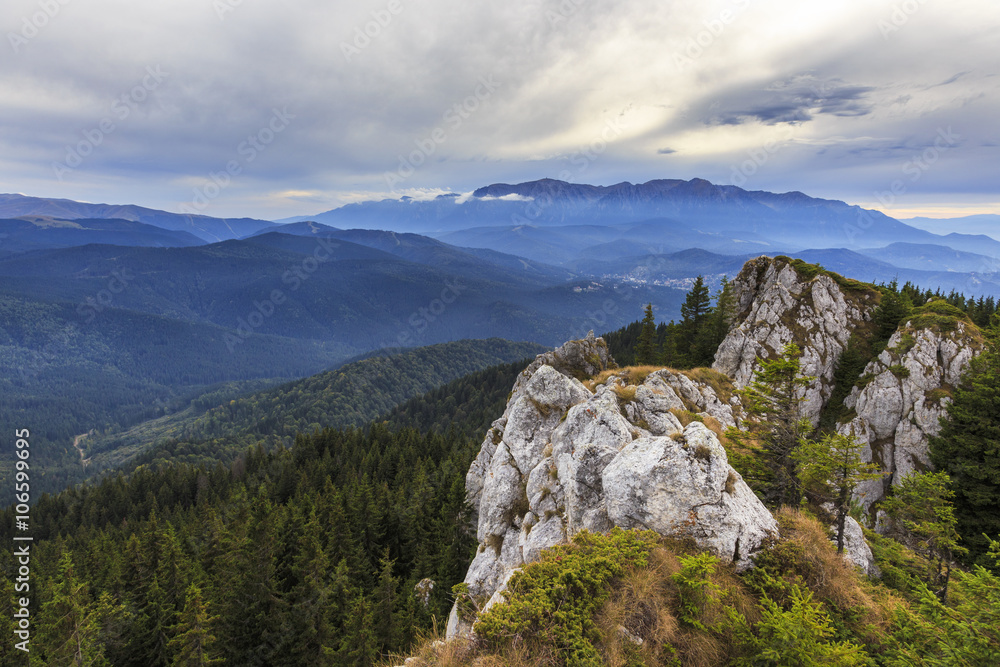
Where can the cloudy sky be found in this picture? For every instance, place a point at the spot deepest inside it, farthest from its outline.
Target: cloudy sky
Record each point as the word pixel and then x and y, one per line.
pixel 266 109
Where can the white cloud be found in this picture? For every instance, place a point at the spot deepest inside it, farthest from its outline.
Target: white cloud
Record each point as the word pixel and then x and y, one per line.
pixel 817 79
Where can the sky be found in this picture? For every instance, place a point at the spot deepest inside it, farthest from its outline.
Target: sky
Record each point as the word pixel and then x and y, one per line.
pixel 264 109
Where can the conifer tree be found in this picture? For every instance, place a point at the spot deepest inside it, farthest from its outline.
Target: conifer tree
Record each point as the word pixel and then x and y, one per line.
pixel 775 427
pixel 69 623
pixel 385 604
pixel 921 505
pixel 694 311
pixel 645 349
pixel 359 647
pixel 831 469
pixel 193 644
pixel 968 448
pixel 715 326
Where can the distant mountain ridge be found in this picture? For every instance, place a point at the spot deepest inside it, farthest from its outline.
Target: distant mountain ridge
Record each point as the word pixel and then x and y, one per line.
pixel 207 228
pixel 42 232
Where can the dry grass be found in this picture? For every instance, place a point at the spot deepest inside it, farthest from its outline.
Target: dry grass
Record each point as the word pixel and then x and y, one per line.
pixel 641 604
pixel 631 375
pixel 718 381
pixel 833 578
pixel 685 417
pixel 626 393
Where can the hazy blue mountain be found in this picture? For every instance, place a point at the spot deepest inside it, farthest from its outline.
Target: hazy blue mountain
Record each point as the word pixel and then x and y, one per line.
pixel 869 269
pixel 204 227
pixel 985 223
pixel 41 233
pixel 936 258
pixel 357 296
pixel 480 262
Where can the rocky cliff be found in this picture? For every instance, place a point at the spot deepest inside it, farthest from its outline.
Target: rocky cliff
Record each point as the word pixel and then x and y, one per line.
pixel 583 445
pixel 898 401
pixel 781 301
pixel 629 449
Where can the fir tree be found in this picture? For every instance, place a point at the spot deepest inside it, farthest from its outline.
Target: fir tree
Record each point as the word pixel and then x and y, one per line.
pixel 921 506
pixel 831 469
pixel 694 311
pixel 193 644
pixel 968 448
pixel 645 350
pixel 69 622
pixel 772 404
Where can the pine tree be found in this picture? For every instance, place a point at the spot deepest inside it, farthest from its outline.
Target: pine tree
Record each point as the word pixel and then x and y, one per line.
pixel 774 428
pixel 645 350
pixel 694 311
pixel 359 647
pixel 921 505
pixel 715 325
pixel 831 469
pixel 385 606
pixel 193 644
pixel 968 448
pixel 69 623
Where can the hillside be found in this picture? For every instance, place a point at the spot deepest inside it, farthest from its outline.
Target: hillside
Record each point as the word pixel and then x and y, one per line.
pixel 204 227
pixel 351 395
pixel 350 545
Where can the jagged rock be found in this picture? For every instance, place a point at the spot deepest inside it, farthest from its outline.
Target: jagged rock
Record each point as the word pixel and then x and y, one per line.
pixel 563 459
pixel 902 395
pixel 775 305
pixel 685 487
pixel 856 548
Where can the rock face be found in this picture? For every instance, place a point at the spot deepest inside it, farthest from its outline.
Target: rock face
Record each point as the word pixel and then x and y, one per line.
pixel 856 548
pixel 776 305
pixel 564 458
pixel 901 396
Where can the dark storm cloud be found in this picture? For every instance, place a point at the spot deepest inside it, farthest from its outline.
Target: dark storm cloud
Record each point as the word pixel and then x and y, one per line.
pixel 796 100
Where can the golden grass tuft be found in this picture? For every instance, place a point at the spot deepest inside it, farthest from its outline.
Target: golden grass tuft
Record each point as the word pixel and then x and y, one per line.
pixel 685 417
pixel 625 393
pixel 631 374
pixel 717 380
pixel 833 578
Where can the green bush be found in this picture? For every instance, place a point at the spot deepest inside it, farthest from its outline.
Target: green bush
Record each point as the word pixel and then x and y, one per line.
pixel 799 636
pixel 552 602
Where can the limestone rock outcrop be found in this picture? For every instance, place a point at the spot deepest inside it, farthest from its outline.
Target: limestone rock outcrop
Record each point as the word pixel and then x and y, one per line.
pixel 777 305
pixel 901 396
pixel 856 548
pixel 629 450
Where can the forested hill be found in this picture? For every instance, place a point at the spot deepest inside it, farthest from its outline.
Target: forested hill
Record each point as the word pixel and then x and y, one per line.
pixel 351 395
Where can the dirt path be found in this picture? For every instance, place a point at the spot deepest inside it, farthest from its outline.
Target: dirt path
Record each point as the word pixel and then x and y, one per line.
pixel 76 444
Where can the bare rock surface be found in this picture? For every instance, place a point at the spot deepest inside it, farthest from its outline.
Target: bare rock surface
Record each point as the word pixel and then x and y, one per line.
pixel 777 305
pixel 902 395
pixel 563 458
